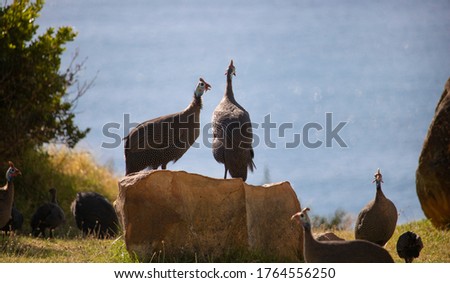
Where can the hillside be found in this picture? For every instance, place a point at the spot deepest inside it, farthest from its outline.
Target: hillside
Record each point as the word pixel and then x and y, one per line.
pixel 22 248
pixel 69 171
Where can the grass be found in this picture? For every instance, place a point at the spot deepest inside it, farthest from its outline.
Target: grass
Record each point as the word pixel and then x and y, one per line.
pixel 75 249
pixel 26 249
pixel 436 242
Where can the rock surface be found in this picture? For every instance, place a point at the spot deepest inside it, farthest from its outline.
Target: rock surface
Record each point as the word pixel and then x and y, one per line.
pixel 174 214
pixel 433 172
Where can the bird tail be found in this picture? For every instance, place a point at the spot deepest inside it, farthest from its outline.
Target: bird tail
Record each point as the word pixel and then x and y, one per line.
pixel 251 164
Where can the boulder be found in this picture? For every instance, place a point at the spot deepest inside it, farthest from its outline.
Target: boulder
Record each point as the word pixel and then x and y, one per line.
pixel 433 172
pixel 176 215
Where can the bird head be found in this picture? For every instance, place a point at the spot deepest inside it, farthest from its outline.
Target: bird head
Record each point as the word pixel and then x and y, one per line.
pixel 302 217
pixel 231 70
pixel 378 177
pixel 202 87
pixel 12 172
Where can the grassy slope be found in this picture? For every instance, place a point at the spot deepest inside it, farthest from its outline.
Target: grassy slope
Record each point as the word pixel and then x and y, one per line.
pixel 75 249
pixel 436 242
pixel 26 249
pixel 69 171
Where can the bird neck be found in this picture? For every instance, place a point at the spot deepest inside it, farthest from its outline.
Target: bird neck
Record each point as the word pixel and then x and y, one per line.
pixel 308 239
pixel 195 106
pixel 379 191
pixel 54 198
pixel 197 102
pixel 10 191
pixel 229 90
pixel 9 184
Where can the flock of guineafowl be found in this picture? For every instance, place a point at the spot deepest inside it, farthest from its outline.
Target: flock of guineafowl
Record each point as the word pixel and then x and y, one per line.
pixel 93 213
pixel 155 143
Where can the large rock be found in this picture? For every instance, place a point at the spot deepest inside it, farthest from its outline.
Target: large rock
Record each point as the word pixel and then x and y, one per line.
pixel 178 215
pixel 433 172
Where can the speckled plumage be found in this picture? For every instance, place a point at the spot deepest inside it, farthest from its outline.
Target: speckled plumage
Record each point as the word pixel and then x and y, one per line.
pixel 156 142
pixel 232 134
pixel 377 220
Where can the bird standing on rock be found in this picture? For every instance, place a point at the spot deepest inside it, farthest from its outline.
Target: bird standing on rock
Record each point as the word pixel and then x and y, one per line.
pixel 156 142
pixel 377 220
pixel 232 133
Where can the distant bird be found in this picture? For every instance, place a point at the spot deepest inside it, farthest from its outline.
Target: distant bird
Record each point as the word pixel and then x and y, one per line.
pixel 337 251
pixel 409 246
pixel 95 215
pixel 156 142
pixel 15 223
pixel 7 195
pixel 377 220
pixel 232 133
pixel 47 216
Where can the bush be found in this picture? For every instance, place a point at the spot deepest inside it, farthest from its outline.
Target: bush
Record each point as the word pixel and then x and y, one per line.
pixel 339 221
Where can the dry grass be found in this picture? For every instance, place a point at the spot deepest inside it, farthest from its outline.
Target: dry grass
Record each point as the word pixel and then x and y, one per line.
pixel 83 171
pixel 23 248
pixel 436 242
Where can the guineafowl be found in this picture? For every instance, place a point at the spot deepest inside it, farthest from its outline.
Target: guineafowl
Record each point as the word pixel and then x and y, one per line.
pixel 156 142
pixel 47 216
pixel 95 215
pixel 377 220
pixel 232 133
pixel 409 245
pixel 337 251
pixel 15 223
pixel 7 195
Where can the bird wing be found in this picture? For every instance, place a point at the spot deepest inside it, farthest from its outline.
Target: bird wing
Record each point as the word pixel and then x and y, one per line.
pixel 149 134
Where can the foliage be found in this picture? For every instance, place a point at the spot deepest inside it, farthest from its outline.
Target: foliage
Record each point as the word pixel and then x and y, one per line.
pixel 339 221
pixel 34 94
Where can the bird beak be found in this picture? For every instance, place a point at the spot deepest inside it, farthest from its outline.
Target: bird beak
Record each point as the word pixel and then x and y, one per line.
pixel 207 86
